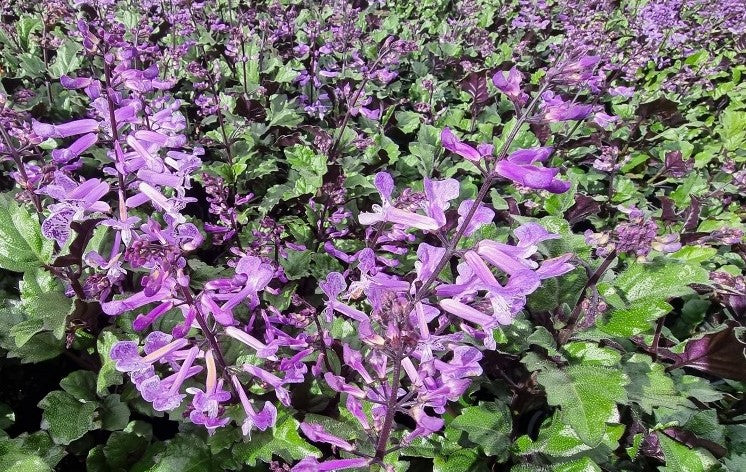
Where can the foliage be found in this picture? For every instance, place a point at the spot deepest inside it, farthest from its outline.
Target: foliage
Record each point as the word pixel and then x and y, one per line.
pixel 435 235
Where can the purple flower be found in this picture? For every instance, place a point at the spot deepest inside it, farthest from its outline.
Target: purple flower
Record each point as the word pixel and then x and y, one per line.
pixel 133 302
pixel 262 420
pixel 576 71
pixel 262 350
pixel 621 91
pixel 207 404
pixel 453 144
pixel 75 200
pixel 128 359
pixel 63 156
pixel 169 397
pixel 555 109
pixel 65 130
pixel 438 194
pixel 511 86
pixel 482 216
pixel 311 464
pixel 317 433
pixel 603 120
pixel 143 321
pixel 555 267
pixel 387 212
pixel 468 313
pixel 427 258
pixel 519 167
pixel 271 380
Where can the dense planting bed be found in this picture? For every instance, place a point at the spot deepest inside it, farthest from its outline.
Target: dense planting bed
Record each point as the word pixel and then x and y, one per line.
pixel 436 235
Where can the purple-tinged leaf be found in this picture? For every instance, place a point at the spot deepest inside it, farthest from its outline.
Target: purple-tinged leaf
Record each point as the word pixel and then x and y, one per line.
pixel 475 84
pixel 721 354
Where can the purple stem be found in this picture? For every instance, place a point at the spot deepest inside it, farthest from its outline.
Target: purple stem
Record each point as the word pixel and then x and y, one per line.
pixel 115 137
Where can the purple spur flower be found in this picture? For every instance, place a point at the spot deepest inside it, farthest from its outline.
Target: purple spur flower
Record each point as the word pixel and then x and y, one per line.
pixel 555 109
pixel 453 144
pixel 387 212
pixel 482 216
pixel 510 85
pixel 311 464
pixel 519 167
pixel 63 156
pixel 438 193
pixel 207 404
pixel 73 128
pixel 75 200
pixel 575 71
pixel 317 433
pixel 271 380
pixel 133 302
pixel 263 351
pixel 262 420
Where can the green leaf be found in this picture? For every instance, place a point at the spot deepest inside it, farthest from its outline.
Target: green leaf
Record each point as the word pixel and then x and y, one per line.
pixel 42 298
pixel 408 121
pixel 108 375
pixel 297 265
pixel 114 413
pixel 25 330
pixel 543 338
pixel 184 453
pixel 123 448
pixel 661 279
pixel 7 417
pixel 634 319
pixel 18 461
pixel 282 112
pixel 32 65
pixel 587 395
pixel 733 129
pixel 66 417
pixel 41 347
pixel 308 169
pixel 286 74
pixel 680 457
pixel 424 447
pixel 649 385
pixel 81 384
pixel 41 444
pixel 25 26
pixel 22 246
pixel 557 204
pixel 283 440
pixel 579 465
pixel 558 290
pixel 558 439
pixel 464 460
pixel 68 59
pixel 693 185
pixel 591 353
pixel 487 425
pixel 694 254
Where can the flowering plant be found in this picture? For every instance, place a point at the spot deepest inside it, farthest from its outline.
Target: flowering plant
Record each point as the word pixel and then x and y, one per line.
pixel 352 235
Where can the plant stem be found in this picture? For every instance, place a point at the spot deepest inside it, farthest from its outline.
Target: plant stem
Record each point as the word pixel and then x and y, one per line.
pixel 565 334
pixel 388 422
pixel 353 101
pixel 489 180
pixel 22 170
pixel 206 331
pixel 115 136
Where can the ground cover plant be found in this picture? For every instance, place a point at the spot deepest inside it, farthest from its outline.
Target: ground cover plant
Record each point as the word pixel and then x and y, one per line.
pixel 349 235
